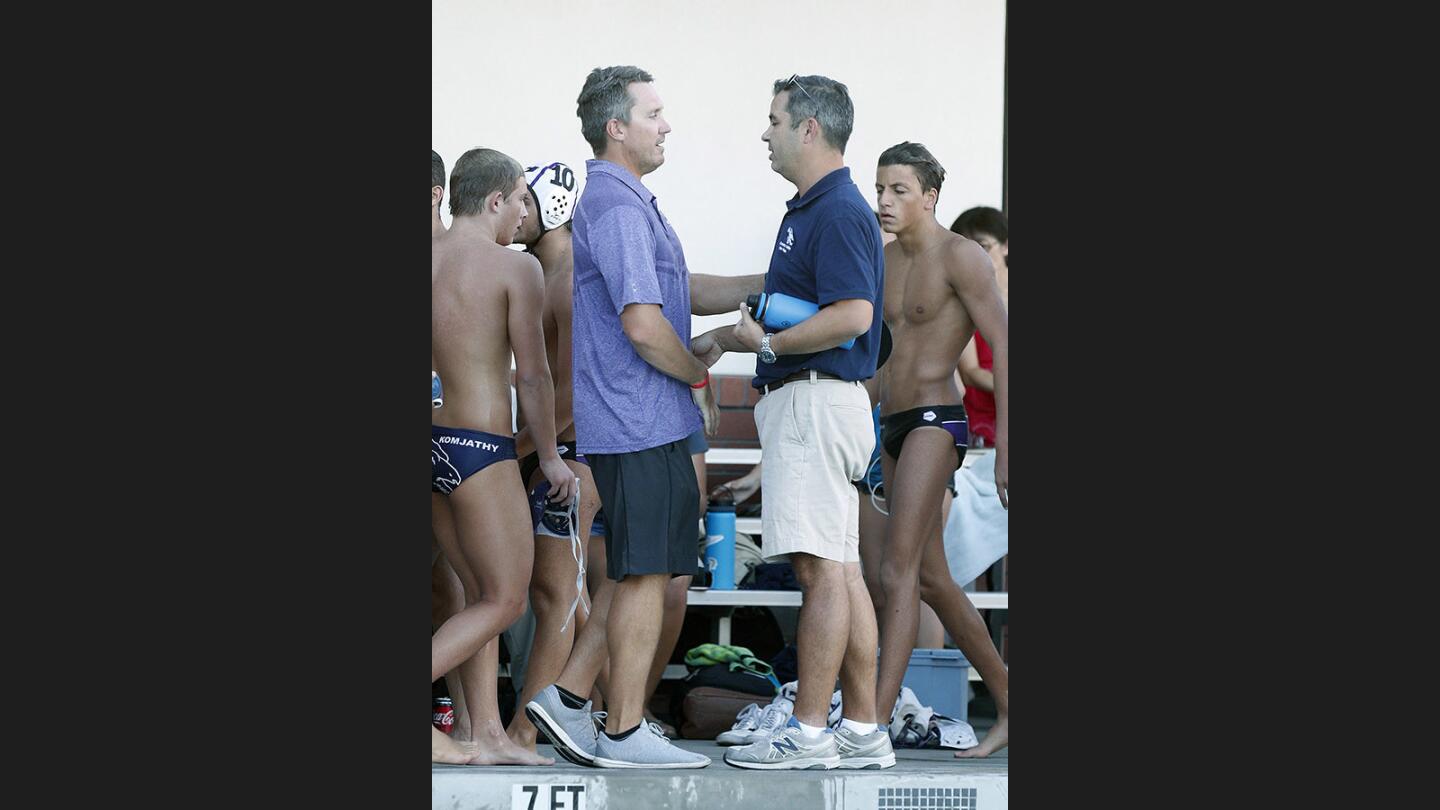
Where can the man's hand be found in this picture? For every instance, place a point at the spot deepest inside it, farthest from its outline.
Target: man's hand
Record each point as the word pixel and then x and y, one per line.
pixel 563 483
pixel 738 490
pixel 707 349
pixel 1002 474
pixel 704 399
pixel 747 332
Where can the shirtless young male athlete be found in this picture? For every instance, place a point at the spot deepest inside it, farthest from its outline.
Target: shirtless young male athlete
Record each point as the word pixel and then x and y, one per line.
pixel 485 301
pixel 552 192
pixel 939 288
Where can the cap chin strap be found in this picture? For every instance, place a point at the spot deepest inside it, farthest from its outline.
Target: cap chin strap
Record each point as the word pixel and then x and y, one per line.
pixel 874 502
pixel 576 551
pixel 535 198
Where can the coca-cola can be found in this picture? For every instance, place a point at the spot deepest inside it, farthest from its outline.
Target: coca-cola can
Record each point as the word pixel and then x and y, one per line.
pixel 443 715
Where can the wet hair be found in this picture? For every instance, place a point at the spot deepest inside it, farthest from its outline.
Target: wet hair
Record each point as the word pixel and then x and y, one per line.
pixel 929 171
pixel 478 174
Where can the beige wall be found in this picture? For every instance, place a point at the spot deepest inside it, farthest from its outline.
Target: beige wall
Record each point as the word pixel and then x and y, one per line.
pixel 505 75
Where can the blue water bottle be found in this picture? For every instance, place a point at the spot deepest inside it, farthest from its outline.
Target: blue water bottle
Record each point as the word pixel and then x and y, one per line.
pixel 720 546
pixel 780 311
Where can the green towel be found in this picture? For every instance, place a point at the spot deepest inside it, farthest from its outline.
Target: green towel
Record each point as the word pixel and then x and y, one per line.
pixel 737 657
pixel 707 654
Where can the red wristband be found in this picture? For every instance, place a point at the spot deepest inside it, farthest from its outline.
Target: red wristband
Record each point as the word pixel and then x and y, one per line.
pixel 702 383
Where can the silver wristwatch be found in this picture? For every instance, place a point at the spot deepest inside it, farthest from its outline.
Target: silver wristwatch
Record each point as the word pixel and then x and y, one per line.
pixel 767 355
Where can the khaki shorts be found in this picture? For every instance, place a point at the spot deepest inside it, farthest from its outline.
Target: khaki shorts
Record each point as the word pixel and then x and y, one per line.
pixel 816 437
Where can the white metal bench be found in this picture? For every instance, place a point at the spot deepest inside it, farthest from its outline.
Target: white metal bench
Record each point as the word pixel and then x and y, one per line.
pixel 983 600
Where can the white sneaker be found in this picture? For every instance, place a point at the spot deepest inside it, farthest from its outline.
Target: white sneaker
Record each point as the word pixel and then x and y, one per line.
pixel 745 723
pixel 771 721
pixel 864 751
pixel 787 750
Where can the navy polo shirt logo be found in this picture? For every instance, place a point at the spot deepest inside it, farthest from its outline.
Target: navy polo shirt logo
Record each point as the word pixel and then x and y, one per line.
pixel 789 241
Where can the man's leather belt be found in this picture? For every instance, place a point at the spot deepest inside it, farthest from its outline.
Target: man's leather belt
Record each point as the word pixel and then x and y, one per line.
pixel 803 374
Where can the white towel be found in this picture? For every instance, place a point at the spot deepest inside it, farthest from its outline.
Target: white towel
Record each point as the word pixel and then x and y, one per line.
pixel 978 531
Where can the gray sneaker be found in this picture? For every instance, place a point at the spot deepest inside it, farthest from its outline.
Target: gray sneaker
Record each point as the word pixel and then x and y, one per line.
pixel 571 731
pixel 787 750
pixel 770 722
pixel 864 750
pixel 646 748
pixel 739 734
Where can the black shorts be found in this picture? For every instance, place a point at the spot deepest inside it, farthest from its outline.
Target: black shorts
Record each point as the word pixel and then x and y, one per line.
pixel 652 510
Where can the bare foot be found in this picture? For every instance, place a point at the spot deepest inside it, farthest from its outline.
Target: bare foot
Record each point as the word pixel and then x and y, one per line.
pixel 448 751
pixel 493 747
pixel 997 738
pixel 523 736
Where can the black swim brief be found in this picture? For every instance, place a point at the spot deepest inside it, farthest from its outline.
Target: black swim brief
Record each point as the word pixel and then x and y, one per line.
pixel 895 427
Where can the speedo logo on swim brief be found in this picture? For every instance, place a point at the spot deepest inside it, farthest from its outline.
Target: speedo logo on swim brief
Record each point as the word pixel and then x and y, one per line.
pixel 789 241
pixel 928 416
pixel 463 442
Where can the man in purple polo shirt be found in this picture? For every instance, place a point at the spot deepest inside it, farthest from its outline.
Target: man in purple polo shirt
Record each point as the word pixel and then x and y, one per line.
pixel 638 393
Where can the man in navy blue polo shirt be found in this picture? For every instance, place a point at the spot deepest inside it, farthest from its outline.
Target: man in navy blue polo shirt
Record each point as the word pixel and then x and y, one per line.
pixel 815 427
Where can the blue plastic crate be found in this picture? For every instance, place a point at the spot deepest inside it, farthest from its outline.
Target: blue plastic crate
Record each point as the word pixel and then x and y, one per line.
pixel 940 679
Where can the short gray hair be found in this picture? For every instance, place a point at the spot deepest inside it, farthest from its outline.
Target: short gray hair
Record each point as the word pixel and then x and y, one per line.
pixel 823 99
pixel 606 95
pixel 478 174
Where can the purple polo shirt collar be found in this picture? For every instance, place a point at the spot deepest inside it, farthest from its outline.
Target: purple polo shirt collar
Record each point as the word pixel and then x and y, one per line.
pixel 623 175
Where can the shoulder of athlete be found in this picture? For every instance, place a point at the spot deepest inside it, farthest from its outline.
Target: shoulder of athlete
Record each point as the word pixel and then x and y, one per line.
pixel 963 256
pixel 505 269
pixel 524 267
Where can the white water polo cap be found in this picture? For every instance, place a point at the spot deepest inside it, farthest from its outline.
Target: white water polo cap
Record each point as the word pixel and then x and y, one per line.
pixel 556 190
